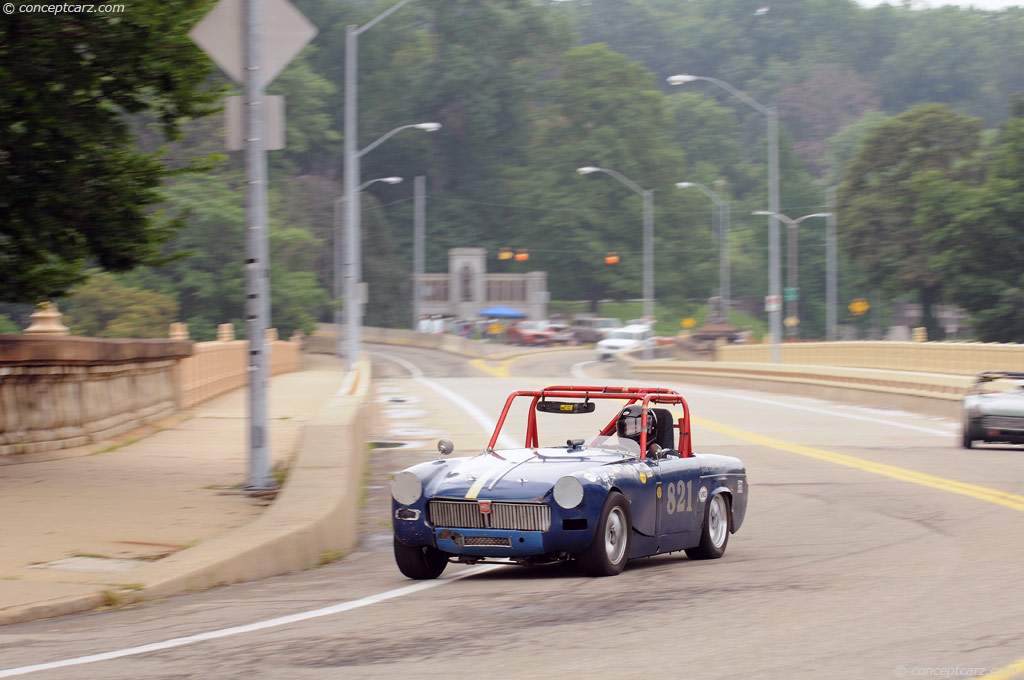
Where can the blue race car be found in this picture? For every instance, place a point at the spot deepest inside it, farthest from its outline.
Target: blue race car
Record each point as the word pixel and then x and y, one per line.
pixel 629 492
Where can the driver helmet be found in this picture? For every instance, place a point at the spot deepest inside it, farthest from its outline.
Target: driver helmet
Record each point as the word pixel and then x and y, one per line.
pixel 629 423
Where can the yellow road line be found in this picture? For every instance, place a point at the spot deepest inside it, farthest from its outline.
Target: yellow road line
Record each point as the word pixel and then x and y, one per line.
pixel 1013 670
pixel 983 493
pixel 1006 499
pixel 503 370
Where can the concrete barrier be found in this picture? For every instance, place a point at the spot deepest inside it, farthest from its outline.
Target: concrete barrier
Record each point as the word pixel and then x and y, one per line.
pixel 315 514
pixel 932 393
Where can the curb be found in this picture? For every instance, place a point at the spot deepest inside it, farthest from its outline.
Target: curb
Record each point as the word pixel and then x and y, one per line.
pixel 315 512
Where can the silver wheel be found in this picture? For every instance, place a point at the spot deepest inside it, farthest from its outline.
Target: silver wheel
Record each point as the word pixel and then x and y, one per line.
pixel 615 535
pixel 718 521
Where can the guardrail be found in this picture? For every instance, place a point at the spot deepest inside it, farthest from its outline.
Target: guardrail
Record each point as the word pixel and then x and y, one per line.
pixel 957 358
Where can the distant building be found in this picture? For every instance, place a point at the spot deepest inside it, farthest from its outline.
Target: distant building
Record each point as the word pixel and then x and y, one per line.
pixel 467 288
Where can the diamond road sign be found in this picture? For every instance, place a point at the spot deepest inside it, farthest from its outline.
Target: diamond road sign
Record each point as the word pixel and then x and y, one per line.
pixel 284 32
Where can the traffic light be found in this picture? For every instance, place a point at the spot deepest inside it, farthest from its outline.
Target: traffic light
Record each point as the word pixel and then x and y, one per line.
pixel 504 253
pixel 522 255
pixel 611 258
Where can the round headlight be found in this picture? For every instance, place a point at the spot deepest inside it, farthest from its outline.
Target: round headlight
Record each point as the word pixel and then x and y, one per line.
pixel 406 488
pixel 568 492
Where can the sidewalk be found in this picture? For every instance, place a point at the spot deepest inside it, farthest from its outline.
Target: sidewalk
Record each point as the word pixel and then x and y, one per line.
pixel 76 523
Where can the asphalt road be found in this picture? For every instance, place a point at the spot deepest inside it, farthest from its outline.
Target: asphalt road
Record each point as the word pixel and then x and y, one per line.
pixel 873 547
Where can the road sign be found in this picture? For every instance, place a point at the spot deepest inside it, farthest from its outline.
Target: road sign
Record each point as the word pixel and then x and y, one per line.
pixel 273 122
pixel 790 293
pixel 772 303
pixel 858 306
pixel 688 322
pixel 791 321
pixel 284 32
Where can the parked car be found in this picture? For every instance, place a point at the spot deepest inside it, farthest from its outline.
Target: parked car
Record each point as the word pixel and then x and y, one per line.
pixel 629 491
pixel 561 333
pixel 593 328
pixel 624 339
pixel 993 410
pixel 529 333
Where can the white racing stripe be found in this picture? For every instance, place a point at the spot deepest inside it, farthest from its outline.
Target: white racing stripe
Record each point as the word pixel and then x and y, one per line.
pixel 504 440
pixel 577 371
pixel 248 628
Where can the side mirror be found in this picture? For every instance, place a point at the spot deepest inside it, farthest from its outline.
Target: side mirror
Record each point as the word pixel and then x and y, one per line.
pixel 445 447
pixel 654 450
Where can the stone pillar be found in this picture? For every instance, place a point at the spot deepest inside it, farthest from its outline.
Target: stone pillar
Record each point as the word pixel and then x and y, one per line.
pixel 46 321
pixel 271 335
pixel 920 334
pixel 467 277
pixel 225 332
pixel 179 331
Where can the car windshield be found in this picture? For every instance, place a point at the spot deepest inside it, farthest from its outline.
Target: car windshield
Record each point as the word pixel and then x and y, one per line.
pixel 616 443
pixel 531 325
pixel 608 323
pixel 621 335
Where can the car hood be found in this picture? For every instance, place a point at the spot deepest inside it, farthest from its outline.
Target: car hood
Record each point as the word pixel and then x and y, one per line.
pixel 1001 404
pixel 515 474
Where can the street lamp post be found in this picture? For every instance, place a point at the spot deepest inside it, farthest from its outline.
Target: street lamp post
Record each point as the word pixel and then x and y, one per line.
pixel 354 263
pixel 351 171
pixel 723 246
pixel 648 239
pixel 792 244
pixel 774 264
pixel 339 285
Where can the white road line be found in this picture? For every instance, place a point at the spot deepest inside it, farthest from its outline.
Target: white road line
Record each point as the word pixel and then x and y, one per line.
pixel 504 440
pixel 577 371
pixel 248 628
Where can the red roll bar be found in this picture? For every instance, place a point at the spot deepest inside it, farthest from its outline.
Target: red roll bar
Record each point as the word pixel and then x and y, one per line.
pixel 631 395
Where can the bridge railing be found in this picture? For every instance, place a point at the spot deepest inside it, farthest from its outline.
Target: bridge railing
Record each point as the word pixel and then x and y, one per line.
pixel 956 358
pixel 58 391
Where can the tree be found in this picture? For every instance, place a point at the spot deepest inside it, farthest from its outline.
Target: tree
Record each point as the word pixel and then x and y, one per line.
pixel 75 192
pixel 605 111
pixel 880 198
pixel 104 307
pixel 976 233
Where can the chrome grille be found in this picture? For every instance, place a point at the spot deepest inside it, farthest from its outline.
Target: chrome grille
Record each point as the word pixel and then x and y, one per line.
pixel 486 540
pixel 503 515
pixel 521 516
pixel 458 514
pixel 1002 423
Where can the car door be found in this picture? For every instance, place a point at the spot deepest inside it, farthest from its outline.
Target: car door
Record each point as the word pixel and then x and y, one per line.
pixel 679 508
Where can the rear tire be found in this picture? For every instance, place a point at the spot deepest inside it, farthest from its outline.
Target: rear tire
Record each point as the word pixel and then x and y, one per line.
pixel 714 536
pixel 607 553
pixel 420 563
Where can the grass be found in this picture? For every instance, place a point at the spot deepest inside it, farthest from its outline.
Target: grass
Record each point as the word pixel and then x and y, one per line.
pixel 328 556
pixel 115 447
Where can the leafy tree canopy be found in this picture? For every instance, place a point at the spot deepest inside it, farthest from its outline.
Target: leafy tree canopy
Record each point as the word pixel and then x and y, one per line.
pixel 74 192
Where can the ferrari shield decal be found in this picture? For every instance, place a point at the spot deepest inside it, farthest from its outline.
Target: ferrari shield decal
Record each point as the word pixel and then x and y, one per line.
pixel 643 477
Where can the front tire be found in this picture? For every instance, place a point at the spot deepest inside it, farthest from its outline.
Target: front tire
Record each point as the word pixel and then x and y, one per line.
pixel 607 553
pixel 715 534
pixel 967 442
pixel 421 563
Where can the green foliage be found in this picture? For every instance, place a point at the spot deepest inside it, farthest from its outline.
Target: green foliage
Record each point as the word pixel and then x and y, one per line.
pixel 105 307
pixel 976 235
pixel 880 198
pixel 75 191
pixel 7 326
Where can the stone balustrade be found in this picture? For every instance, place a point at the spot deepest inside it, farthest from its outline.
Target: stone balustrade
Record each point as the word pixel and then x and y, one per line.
pixel 59 391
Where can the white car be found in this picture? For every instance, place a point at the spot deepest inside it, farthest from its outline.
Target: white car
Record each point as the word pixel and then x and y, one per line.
pixel 626 338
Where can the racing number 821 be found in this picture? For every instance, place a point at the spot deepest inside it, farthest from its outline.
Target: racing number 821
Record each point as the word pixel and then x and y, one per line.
pixel 679 494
